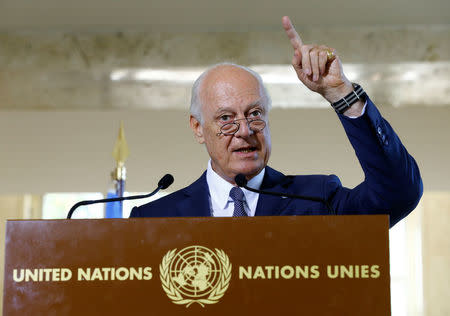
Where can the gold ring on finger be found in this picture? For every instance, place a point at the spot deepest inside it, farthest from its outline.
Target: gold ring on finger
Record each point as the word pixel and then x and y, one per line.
pixel 330 54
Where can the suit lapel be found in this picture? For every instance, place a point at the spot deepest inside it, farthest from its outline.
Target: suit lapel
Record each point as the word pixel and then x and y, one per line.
pixel 269 205
pixel 196 201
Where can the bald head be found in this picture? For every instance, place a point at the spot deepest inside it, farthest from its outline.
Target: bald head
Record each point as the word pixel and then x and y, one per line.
pixel 219 81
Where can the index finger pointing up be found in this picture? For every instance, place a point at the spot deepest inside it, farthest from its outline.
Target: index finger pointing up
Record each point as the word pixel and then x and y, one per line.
pixel 295 39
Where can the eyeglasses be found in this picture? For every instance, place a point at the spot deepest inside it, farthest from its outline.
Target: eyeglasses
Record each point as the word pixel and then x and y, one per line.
pixel 232 128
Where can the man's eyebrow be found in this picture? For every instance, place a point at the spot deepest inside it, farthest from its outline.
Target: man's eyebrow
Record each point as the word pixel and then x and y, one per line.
pixel 224 109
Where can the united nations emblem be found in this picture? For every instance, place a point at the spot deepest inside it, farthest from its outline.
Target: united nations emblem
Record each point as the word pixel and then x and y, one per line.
pixel 195 274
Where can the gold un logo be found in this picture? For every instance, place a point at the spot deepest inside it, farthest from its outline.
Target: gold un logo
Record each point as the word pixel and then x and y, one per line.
pixel 195 274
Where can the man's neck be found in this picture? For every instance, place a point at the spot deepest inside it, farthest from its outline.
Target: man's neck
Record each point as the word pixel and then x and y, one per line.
pixel 253 181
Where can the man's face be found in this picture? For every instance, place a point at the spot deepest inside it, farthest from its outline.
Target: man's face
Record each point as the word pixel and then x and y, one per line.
pixel 229 93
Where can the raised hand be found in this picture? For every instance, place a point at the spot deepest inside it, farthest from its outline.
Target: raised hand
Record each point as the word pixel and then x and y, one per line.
pixel 318 67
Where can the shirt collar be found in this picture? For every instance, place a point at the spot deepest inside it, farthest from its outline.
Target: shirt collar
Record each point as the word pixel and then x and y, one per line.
pixel 219 188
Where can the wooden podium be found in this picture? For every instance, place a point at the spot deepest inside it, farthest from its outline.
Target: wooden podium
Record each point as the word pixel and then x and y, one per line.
pixel 287 265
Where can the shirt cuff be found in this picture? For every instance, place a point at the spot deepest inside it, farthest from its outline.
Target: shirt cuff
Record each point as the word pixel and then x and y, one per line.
pixel 362 112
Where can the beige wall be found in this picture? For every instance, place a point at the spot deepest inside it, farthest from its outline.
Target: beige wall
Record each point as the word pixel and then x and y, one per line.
pixel 436 257
pixel 71 151
pixel 59 119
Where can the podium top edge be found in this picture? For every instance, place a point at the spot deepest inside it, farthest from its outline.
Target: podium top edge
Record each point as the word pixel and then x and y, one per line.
pixel 251 218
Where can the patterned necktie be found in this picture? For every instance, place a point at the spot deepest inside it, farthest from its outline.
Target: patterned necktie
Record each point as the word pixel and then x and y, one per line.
pixel 238 197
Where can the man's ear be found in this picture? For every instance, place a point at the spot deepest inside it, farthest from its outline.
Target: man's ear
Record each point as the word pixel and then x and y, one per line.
pixel 197 128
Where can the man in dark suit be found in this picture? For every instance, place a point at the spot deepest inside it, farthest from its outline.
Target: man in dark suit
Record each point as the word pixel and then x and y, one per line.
pixel 229 114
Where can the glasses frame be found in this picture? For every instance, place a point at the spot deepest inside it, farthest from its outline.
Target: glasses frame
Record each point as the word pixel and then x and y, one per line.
pixel 235 122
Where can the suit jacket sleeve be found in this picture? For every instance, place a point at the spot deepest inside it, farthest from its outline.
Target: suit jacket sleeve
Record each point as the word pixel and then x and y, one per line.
pixel 392 181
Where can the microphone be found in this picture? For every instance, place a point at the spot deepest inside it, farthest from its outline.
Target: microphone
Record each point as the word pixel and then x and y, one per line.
pixel 163 183
pixel 241 181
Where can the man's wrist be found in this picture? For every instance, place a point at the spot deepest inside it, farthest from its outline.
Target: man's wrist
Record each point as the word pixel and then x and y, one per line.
pixel 337 93
pixel 356 110
pixel 352 103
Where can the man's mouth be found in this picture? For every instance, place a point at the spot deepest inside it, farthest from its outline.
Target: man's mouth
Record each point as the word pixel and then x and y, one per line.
pixel 245 150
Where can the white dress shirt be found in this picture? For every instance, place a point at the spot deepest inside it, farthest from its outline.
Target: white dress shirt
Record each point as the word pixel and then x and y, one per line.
pixel 362 111
pixel 220 201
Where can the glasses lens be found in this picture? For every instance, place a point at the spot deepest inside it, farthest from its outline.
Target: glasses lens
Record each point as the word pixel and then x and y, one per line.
pixel 257 125
pixel 232 128
pixel 229 128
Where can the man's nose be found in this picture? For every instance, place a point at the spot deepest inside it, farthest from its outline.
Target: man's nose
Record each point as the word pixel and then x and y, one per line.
pixel 244 129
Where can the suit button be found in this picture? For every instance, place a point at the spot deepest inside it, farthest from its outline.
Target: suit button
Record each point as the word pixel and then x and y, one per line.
pixel 379 130
pixel 386 142
pixel 383 137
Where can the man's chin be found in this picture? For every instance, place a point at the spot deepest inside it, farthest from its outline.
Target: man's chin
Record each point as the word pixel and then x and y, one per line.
pixel 249 171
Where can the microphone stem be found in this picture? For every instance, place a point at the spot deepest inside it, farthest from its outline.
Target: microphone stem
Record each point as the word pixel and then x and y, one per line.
pixel 134 197
pixel 292 196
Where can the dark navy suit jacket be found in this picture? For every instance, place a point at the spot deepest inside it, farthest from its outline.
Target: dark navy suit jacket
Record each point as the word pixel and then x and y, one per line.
pixel 392 183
